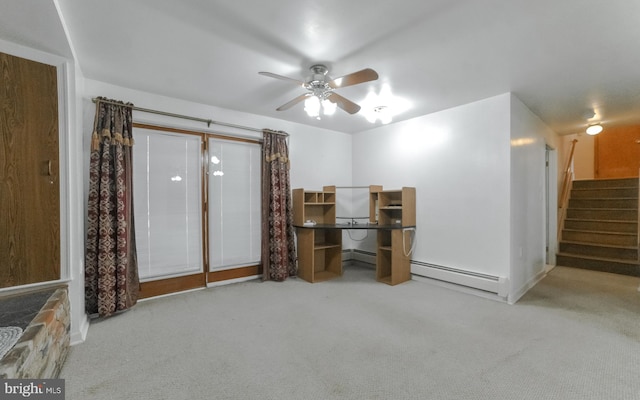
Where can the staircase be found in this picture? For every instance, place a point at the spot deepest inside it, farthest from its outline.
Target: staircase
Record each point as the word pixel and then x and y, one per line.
pixel 601 227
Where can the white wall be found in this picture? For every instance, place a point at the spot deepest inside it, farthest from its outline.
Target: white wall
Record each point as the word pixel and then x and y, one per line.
pixel 583 156
pixel 529 138
pixel 458 160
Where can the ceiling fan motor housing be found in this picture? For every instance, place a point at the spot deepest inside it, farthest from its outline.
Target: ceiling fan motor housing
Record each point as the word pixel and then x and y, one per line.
pixel 318 72
pixel 317 82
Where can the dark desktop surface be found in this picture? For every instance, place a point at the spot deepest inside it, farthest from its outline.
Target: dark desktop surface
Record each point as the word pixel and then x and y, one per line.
pixel 355 226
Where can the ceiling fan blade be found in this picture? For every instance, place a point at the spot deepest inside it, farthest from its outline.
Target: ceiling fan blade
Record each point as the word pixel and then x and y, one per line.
pixel 347 105
pixel 293 102
pixel 355 78
pixel 284 78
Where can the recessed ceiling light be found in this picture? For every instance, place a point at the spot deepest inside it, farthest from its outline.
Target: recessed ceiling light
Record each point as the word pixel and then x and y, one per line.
pixel 383 106
pixel 594 129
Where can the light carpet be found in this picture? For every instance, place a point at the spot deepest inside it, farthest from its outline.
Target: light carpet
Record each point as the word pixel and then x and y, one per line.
pixel 576 335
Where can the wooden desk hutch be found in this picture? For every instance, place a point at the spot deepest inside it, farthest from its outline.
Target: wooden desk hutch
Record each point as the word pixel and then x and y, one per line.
pixel 392 213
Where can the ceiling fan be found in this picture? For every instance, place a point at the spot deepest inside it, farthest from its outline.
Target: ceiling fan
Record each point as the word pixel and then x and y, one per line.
pixel 321 90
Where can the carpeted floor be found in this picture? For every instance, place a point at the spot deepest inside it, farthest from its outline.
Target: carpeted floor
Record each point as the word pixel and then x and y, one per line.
pixel 576 335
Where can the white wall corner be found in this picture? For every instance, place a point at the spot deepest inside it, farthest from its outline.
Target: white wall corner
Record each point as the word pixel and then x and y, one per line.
pixel 516 295
pixel 80 335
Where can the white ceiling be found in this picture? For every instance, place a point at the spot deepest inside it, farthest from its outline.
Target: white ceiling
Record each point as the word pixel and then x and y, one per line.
pixel 564 59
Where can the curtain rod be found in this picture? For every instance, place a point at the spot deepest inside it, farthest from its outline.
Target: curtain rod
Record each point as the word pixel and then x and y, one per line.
pixel 168 114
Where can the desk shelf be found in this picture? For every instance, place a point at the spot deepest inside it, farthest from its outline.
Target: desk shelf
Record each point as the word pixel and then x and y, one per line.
pixel 319 249
pixel 324 246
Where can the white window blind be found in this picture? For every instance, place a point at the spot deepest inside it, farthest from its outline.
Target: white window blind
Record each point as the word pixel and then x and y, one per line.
pixel 234 203
pixel 167 203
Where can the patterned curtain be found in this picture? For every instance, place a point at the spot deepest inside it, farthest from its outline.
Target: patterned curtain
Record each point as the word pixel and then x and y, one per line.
pixel 111 268
pixel 279 257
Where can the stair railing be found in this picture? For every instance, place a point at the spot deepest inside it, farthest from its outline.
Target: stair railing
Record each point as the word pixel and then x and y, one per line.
pixel 567 183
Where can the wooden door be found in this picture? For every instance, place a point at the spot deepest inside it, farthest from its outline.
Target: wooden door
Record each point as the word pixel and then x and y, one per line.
pixel 29 191
pixel 617 152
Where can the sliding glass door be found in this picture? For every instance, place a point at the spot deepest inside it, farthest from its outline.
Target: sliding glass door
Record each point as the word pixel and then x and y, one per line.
pixel 168 203
pixel 187 181
pixel 234 203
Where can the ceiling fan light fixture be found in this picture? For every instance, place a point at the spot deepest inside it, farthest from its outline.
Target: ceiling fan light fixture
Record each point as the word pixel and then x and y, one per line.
pixel 312 106
pixel 594 129
pixel 328 108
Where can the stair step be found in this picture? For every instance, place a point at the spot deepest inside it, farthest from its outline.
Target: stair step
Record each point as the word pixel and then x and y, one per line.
pixel 596 250
pixel 611 265
pixel 611 193
pixel 603 213
pixel 600 237
pixel 604 203
pixel 605 183
pixel 600 229
pixel 601 225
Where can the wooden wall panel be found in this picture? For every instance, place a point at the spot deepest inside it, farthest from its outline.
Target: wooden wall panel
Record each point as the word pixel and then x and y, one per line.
pixel 171 285
pixel 617 152
pixel 29 192
pixel 241 272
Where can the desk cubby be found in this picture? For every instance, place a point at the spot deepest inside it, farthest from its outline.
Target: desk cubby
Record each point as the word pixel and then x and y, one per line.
pixel 394 209
pixel 319 254
pixel 317 206
pixel 319 250
pixel 393 264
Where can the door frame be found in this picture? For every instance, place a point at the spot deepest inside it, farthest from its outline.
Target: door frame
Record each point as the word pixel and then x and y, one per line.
pixel 551 206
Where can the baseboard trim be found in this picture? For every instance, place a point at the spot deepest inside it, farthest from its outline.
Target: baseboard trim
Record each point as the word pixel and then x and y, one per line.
pixel 80 335
pixel 512 299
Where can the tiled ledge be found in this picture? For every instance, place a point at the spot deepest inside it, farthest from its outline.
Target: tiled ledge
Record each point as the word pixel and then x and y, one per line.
pixel 41 350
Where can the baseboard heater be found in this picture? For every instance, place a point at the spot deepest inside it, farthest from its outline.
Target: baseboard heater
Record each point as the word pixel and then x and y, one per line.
pixel 474 280
pixel 359 255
